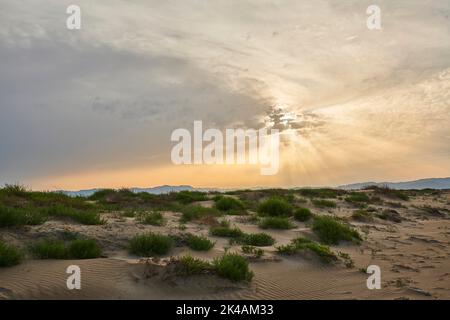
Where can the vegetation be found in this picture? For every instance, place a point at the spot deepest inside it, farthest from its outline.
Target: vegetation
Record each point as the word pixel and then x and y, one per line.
pixel 9 255
pixel 332 231
pixel 193 212
pixel 226 231
pixel 302 214
pixel 13 217
pixel 362 215
pixel 59 249
pixel 186 197
pixel 150 244
pixel 276 223
pixel 199 243
pixel 233 267
pixel 324 203
pixel 321 193
pixel 389 193
pixel 188 265
pixel 252 250
pixel 256 239
pixel 154 218
pixel 229 205
pixel 275 207
pixel 302 244
pixel 357 197
pixel 87 217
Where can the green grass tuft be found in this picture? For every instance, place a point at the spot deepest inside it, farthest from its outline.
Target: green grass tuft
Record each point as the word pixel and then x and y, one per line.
pixel 150 244
pixel 154 218
pixel 276 223
pixel 193 212
pixel 233 267
pixel 302 244
pixel 320 203
pixel 9 255
pixel 199 243
pixel 332 231
pixel 302 214
pixel 275 206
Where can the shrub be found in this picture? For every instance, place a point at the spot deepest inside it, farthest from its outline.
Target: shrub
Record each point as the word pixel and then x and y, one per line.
pixel 154 218
pixel 50 249
pixel 331 231
pixel 257 239
pixel 150 244
pixel 321 193
pixel 276 223
pixel 302 214
pixel 275 207
pixel 357 197
pixel 196 212
pixel 324 203
pixel 252 250
pixel 232 267
pixel 87 217
pixel 84 249
pixel 186 197
pixel 362 215
pixel 188 265
pixel 229 205
pixel 302 244
pixel 199 243
pixel 11 217
pixel 9 255
pixel 226 231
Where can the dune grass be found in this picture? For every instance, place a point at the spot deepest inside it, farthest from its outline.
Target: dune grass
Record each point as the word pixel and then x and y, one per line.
pixel 233 267
pixel 86 217
pixel 256 239
pixel 150 244
pixel 275 223
pixel 321 192
pixel 321 203
pixel 186 197
pixel 362 215
pixel 247 249
pixel 154 218
pixel 357 197
pixel 193 212
pixel 199 243
pixel 302 214
pixel 13 217
pixel 9 255
pixel 226 231
pixel 78 248
pixel 275 207
pixel 229 205
pixel 302 244
pixel 332 231
pixel 188 265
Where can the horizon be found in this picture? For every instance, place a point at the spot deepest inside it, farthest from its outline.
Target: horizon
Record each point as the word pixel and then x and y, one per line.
pixel 98 105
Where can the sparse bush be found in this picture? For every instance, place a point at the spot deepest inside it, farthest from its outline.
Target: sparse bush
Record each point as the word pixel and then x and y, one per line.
pixel 357 197
pixel 197 212
pixel 186 197
pixel 321 193
pixel 12 217
pixel 188 265
pixel 275 207
pixel 150 244
pixel 87 217
pixel 84 249
pixel 257 239
pixel 50 249
pixel 302 244
pixel 276 223
pixel 199 243
pixel 229 205
pixel 252 250
pixel 9 255
pixel 362 215
pixel 302 214
pixel 324 203
pixel 331 231
pixel 154 218
pixel 233 267
pixel 226 231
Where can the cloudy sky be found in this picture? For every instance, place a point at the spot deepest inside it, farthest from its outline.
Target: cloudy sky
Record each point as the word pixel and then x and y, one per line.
pixel 96 107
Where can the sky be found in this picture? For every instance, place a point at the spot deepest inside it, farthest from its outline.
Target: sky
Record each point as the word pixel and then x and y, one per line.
pixel 96 107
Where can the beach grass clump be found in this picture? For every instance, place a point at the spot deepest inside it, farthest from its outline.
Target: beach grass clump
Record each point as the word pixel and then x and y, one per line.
pixel 188 265
pixel 362 215
pixel 321 192
pixel 275 207
pixel 86 217
pixel 77 248
pixel 154 218
pixel 258 252
pixel 388 192
pixel 193 212
pixel 331 231
pixel 357 197
pixel 256 239
pixel 226 231
pixel 199 243
pixel 233 267
pixel 186 197
pixel 302 214
pixel 9 255
pixel 302 244
pixel 150 244
pixel 13 217
pixel 275 223
pixel 322 203
pixel 229 205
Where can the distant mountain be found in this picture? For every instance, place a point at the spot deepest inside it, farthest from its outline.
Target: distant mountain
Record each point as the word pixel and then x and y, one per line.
pixel 153 190
pixel 432 183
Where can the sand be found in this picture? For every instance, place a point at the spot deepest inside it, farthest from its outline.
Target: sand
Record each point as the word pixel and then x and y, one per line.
pixel 414 257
